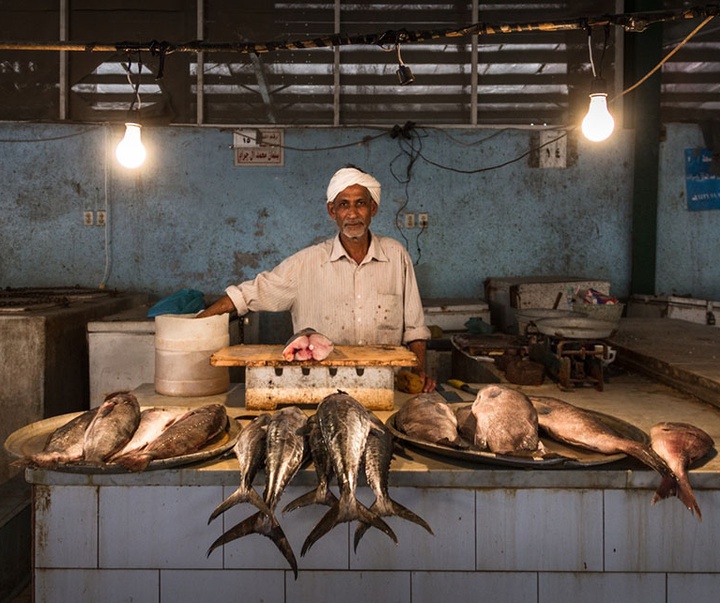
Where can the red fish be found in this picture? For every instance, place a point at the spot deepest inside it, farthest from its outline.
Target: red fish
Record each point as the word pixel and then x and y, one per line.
pixel 680 445
pixel 307 344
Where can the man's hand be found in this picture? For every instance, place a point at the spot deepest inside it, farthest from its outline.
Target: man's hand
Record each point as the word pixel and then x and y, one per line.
pixel 418 348
pixel 222 306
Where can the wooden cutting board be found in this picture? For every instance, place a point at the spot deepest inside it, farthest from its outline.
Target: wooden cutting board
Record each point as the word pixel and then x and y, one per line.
pixel 342 355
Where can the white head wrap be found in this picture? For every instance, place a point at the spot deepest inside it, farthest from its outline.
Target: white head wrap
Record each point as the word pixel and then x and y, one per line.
pixel 347 177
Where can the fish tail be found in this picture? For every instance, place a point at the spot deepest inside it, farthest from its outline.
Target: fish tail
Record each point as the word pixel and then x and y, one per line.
pixel 681 488
pixel 651 458
pixel 327 523
pixel 405 513
pixel 314 497
pixel 262 524
pixel 389 508
pixel 241 495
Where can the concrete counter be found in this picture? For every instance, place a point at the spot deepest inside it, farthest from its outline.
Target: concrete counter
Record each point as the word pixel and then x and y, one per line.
pixel 531 535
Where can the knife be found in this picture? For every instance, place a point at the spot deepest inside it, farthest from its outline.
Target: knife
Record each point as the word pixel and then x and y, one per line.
pixel 456 383
pixel 449 396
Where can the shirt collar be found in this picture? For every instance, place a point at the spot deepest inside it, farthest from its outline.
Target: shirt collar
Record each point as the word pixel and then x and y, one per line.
pixel 375 251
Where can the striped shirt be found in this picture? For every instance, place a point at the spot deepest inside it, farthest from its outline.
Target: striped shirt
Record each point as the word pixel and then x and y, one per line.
pixel 377 301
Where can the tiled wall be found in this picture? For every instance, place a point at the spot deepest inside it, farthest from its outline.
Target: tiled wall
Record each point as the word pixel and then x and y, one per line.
pixel 149 544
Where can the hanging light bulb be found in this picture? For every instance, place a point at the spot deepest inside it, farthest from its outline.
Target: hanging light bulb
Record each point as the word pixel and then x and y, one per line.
pixel 598 123
pixel 130 152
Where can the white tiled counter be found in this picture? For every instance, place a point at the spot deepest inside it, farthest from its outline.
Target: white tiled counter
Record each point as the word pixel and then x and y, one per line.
pixel 501 534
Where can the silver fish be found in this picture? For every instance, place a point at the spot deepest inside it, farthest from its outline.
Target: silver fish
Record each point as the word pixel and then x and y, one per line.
pixel 112 427
pixel 378 457
pixel 153 421
pixel 466 422
pixel 426 417
pixel 250 453
pixel 345 425
pixel 679 445
pixel 507 423
pixel 186 435
pixel 284 455
pixel 321 495
pixel 65 444
pixel 307 344
pixel 572 425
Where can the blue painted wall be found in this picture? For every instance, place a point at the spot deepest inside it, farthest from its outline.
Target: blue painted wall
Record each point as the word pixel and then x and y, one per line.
pixel 190 218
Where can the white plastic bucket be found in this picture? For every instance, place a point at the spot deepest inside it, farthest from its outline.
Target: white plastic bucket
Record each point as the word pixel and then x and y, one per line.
pixel 183 346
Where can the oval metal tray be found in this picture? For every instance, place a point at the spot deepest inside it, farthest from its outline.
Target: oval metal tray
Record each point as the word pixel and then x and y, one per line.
pixel 576 327
pixel 561 455
pixel 31 439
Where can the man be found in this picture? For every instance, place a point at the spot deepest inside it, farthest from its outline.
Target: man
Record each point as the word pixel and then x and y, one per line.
pixel 356 288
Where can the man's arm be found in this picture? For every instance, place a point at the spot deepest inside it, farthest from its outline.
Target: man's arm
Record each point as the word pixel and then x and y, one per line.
pixel 222 306
pixel 418 348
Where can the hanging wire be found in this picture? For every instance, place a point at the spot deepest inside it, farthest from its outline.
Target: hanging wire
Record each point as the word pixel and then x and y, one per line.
pixel 135 86
pixel 590 52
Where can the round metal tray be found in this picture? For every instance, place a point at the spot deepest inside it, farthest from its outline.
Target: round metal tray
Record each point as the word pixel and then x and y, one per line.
pixel 560 455
pixel 31 439
pixel 576 327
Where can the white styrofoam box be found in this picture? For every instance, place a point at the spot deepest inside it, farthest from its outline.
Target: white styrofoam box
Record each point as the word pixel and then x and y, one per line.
pixel 108 586
pixel 640 537
pixel 451 314
pixel 670 306
pixel 178 586
pixel 174 534
pixel 505 587
pixel 451 515
pixel 540 530
pixel 54 544
pixel 601 587
pixel 506 294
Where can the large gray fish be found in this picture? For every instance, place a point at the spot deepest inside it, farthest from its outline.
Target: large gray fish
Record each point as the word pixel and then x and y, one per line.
pixel 307 344
pixel 378 457
pixel 679 445
pixel 284 455
pixel 506 421
pixel 428 418
pixel 572 425
pixel 112 427
pixel 345 425
pixel 321 495
pixel 250 453
pixel 186 435
pixel 65 444
pixel 153 421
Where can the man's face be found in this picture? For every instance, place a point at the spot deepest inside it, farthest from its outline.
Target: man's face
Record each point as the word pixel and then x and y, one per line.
pixel 353 210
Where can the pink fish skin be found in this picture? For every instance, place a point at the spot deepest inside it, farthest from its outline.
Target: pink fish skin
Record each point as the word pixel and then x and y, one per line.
pixel 307 344
pixel 679 445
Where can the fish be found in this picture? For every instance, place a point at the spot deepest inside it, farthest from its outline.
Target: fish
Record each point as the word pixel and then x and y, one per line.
pixel 679 445
pixel 250 453
pixel 345 425
pixel 285 454
pixel 186 435
pixel 466 422
pixel 322 494
pixel 112 427
pixel 307 344
pixel 426 417
pixel 65 444
pixel 153 421
pixel 507 422
pixel 378 457
pixel 572 425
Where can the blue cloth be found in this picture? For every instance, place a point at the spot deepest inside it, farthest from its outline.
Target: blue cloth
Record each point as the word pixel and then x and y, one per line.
pixel 184 301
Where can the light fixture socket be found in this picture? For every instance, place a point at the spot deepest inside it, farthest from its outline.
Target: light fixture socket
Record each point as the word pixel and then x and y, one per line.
pixel 405 75
pixel 598 86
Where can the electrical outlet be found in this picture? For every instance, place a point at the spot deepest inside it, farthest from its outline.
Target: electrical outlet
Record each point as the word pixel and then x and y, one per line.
pixel 553 149
pixel 101 217
pixel 88 218
pixel 409 220
pixel 423 219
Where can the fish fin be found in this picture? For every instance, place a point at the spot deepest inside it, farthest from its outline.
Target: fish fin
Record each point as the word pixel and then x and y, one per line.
pixel 314 497
pixel 405 513
pixel 650 458
pixel 327 523
pixel 135 462
pixel 686 495
pixel 262 524
pixel 457 443
pixel 666 489
pixel 239 496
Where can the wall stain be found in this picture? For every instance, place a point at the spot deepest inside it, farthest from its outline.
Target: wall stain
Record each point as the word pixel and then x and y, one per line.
pixel 260 224
pixel 243 261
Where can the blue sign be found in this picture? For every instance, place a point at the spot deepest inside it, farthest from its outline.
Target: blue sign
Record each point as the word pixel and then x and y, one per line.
pixel 703 187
